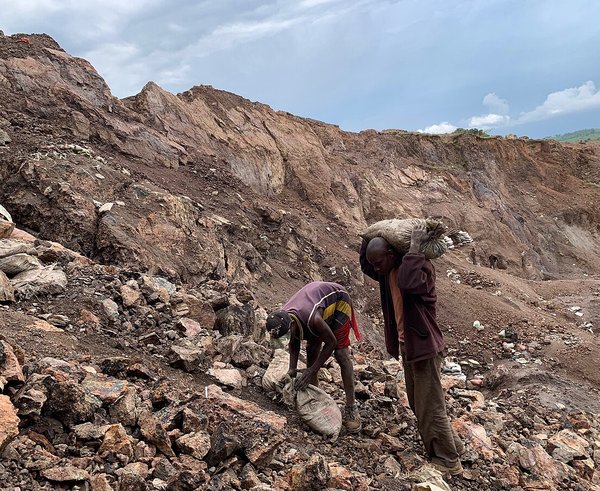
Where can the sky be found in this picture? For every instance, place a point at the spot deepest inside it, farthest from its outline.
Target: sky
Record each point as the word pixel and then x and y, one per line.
pixel 528 67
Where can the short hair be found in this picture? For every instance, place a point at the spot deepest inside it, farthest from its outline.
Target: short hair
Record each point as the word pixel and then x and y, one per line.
pixel 278 323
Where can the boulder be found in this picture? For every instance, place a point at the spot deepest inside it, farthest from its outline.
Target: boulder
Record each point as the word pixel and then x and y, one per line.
pixel 237 319
pixel 40 282
pixel 107 389
pixel 342 478
pixel 70 404
pixel 10 368
pixel 9 422
pixel 190 327
pixel 567 446
pixel 66 473
pixel 154 432
pixel 187 358
pixel 230 377
pixel 7 292
pixel 18 263
pixel 223 444
pixel 196 444
pixel 116 442
pixel 130 297
pixel 312 476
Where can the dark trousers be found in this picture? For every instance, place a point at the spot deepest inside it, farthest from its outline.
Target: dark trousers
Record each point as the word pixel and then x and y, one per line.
pixel 427 400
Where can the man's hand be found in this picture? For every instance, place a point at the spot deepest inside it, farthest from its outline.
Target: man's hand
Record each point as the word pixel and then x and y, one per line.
pixel 418 237
pixel 303 381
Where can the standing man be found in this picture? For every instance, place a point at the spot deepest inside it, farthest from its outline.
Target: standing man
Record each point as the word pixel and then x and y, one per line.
pixel 408 300
pixel 320 313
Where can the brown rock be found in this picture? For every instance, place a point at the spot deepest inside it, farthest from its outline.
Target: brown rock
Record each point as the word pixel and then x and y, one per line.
pixel 566 446
pixel 107 389
pixel 88 319
pixel 154 432
pixel 71 404
pixel 65 474
pixel 7 292
pixel 130 297
pixel 116 442
pixel 195 444
pixel 133 477
pixel 6 228
pixel 392 467
pixel 312 476
pixel 535 460
pixel 99 482
pixel 125 409
pixel 200 311
pixel 186 358
pixel 391 442
pixel 246 408
pixel 10 368
pixel 474 435
pixel 90 431
pixel 9 422
pixel 248 477
pixel 223 445
pixel 262 450
pixel 342 478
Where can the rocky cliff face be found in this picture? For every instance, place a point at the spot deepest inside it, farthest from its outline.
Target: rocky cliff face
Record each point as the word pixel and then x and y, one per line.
pixel 534 202
pixel 183 217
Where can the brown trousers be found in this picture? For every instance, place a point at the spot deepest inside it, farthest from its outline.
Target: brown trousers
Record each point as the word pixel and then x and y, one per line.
pixel 427 400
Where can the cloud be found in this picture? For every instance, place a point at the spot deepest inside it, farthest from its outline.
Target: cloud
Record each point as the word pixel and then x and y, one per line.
pixel 567 101
pixel 495 104
pixel 438 129
pixel 488 121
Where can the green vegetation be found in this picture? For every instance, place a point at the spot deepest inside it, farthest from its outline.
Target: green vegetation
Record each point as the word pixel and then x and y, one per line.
pixel 470 131
pixel 576 136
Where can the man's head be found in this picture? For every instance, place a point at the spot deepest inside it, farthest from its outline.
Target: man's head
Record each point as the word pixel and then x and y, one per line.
pixel 381 255
pixel 278 323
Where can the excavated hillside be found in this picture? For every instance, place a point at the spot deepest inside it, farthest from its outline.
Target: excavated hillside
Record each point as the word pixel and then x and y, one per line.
pixel 179 219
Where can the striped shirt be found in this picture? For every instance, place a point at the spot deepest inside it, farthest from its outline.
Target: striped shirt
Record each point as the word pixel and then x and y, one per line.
pixel 331 297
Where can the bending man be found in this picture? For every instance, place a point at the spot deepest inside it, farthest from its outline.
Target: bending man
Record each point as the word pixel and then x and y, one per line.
pixel 320 313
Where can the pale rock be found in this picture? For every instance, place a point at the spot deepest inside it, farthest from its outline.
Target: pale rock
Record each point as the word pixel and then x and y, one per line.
pixel 195 444
pixel 312 476
pixel 7 292
pixel 190 327
pixel 99 482
pixel 231 377
pixel 65 474
pixel 110 309
pixel 10 368
pixel 392 467
pixel 474 435
pixel 130 297
pixel 107 389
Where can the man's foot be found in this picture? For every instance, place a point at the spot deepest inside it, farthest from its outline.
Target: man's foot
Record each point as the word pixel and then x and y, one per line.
pixel 352 419
pixel 453 469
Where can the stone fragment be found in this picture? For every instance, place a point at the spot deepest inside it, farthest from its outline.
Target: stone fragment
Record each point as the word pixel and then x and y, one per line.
pixel 116 442
pixel 125 409
pixel 535 459
pixel 10 368
pixel 237 319
pixel 9 422
pixel 246 408
pixel 6 228
pixel 40 282
pixel 65 473
pixel 343 478
pixel 88 319
pixel 71 404
pixel 130 297
pixel 392 467
pixel 133 477
pixel 107 389
pixel 567 446
pixel 474 435
pixel 250 353
pixel 198 310
pixel 90 431
pixel 187 481
pixel 248 478
pixel 231 377
pixel 99 482
pixel 223 445
pixel 110 309
pixel 190 327
pixel 312 476
pixel 7 292
pixel 262 450
pixel 154 432
pixel 391 442
pixel 186 358
pixel 196 444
